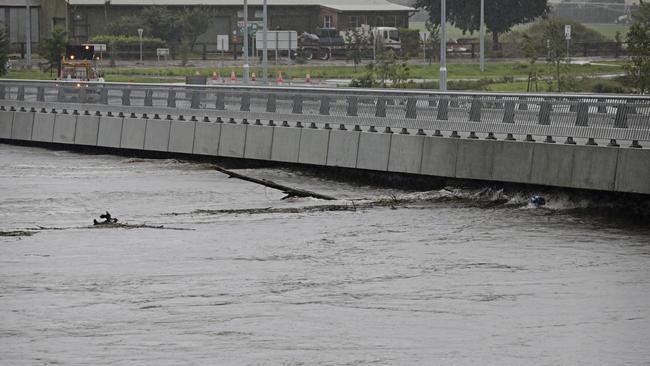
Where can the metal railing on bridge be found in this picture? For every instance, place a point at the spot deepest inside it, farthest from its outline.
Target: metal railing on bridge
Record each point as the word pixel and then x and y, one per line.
pixel 568 116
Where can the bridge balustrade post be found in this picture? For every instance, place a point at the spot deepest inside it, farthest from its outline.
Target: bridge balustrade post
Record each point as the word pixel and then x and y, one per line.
pixel 631 107
pixel 103 96
pixel 443 109
pixel 148 98
pixel 509 112
pixel 353 106
pixel 271 103
pixel 582 114
pixel 297 104
pixel 195 99
pixel 21 93
pixel 498 104
pixel 523 104
pixel 573 106
pixel 171 98
pixel 475 110
pixel 620 121
pixel 83 94
pixel 380 110
pixel 324 105
pixel 3 92
pixel 244 105
pixel 544 117
pixel 411 108
pixel 126 96
pixel 60 94
pixel 220 103
pixel 40 94
pixel 602 107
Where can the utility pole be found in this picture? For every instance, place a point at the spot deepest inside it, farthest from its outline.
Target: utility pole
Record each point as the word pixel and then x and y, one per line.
pixel 482 35
pixel 28 37
pixel 443 45
pixel 246 66
pixel 265 51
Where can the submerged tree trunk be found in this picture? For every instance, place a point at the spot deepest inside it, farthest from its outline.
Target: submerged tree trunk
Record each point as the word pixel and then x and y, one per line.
pixel 290 192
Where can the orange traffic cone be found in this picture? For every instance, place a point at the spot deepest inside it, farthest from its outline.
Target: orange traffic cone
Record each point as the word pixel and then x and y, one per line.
pixel 280 79
pixel 215 77
pixel 253 77
pixel 308 78
pixel 233 77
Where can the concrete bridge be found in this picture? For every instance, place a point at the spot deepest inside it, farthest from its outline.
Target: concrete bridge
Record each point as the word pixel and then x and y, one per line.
pixel 596 142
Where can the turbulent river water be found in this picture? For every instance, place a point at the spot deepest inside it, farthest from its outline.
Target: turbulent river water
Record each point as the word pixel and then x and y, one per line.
pixel 237 276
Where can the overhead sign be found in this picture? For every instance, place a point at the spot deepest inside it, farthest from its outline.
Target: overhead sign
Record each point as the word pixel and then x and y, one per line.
pixel 278 40
pixel 567 31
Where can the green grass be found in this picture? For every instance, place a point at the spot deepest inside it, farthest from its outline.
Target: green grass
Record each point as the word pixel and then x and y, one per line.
pixel 608 30
pixel 456 71
pixel 501 74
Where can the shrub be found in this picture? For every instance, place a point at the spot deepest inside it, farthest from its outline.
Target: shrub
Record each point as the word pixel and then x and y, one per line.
pixel 4 50
pixel 410 41
pixel 128 45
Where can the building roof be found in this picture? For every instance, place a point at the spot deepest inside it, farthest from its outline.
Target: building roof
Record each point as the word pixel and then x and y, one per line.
pixel 341 5
pixel 19 3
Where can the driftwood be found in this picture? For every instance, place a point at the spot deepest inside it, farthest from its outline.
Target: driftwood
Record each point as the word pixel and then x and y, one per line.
pixel 290 192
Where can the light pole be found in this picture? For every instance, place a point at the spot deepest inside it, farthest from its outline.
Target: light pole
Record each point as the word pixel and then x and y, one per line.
pixel 246 66
pixel 482 35
pixel 140 31
pixel 265 51
pixel 28 37
pixel 443 45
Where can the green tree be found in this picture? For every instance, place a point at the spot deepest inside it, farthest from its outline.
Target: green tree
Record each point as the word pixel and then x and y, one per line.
pixel 128 26
pixel 410 38
pixel 390 67
pixel 163 23
pixel 4 50
pixel 638 44
pixel 357 42
pixel 53 47
pixel 500 15
pixel 553 33
pixel 433 42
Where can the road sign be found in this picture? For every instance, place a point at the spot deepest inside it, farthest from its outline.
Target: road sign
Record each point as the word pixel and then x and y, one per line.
pixel 140 31
pixel 424 36
pixel 280 40
pixel 222 42
pixel 567 31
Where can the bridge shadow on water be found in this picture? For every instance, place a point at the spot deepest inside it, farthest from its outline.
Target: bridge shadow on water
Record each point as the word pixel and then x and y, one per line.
pixel 599 208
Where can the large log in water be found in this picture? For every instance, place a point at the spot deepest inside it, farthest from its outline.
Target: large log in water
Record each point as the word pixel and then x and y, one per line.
pixel 290 192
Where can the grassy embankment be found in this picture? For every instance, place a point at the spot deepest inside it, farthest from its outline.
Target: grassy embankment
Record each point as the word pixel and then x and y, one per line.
pixel 608 30
pixel 501 76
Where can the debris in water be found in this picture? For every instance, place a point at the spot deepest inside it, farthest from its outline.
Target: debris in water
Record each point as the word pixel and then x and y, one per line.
pixel 108 220
pixel 538 201
pixel 17 233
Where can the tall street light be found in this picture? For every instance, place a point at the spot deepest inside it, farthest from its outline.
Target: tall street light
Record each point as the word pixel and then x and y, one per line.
pixel 28 37
pixel 246 66
pixel 443 45
pixel 482 35
pixel 140 31
pixel 265 51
